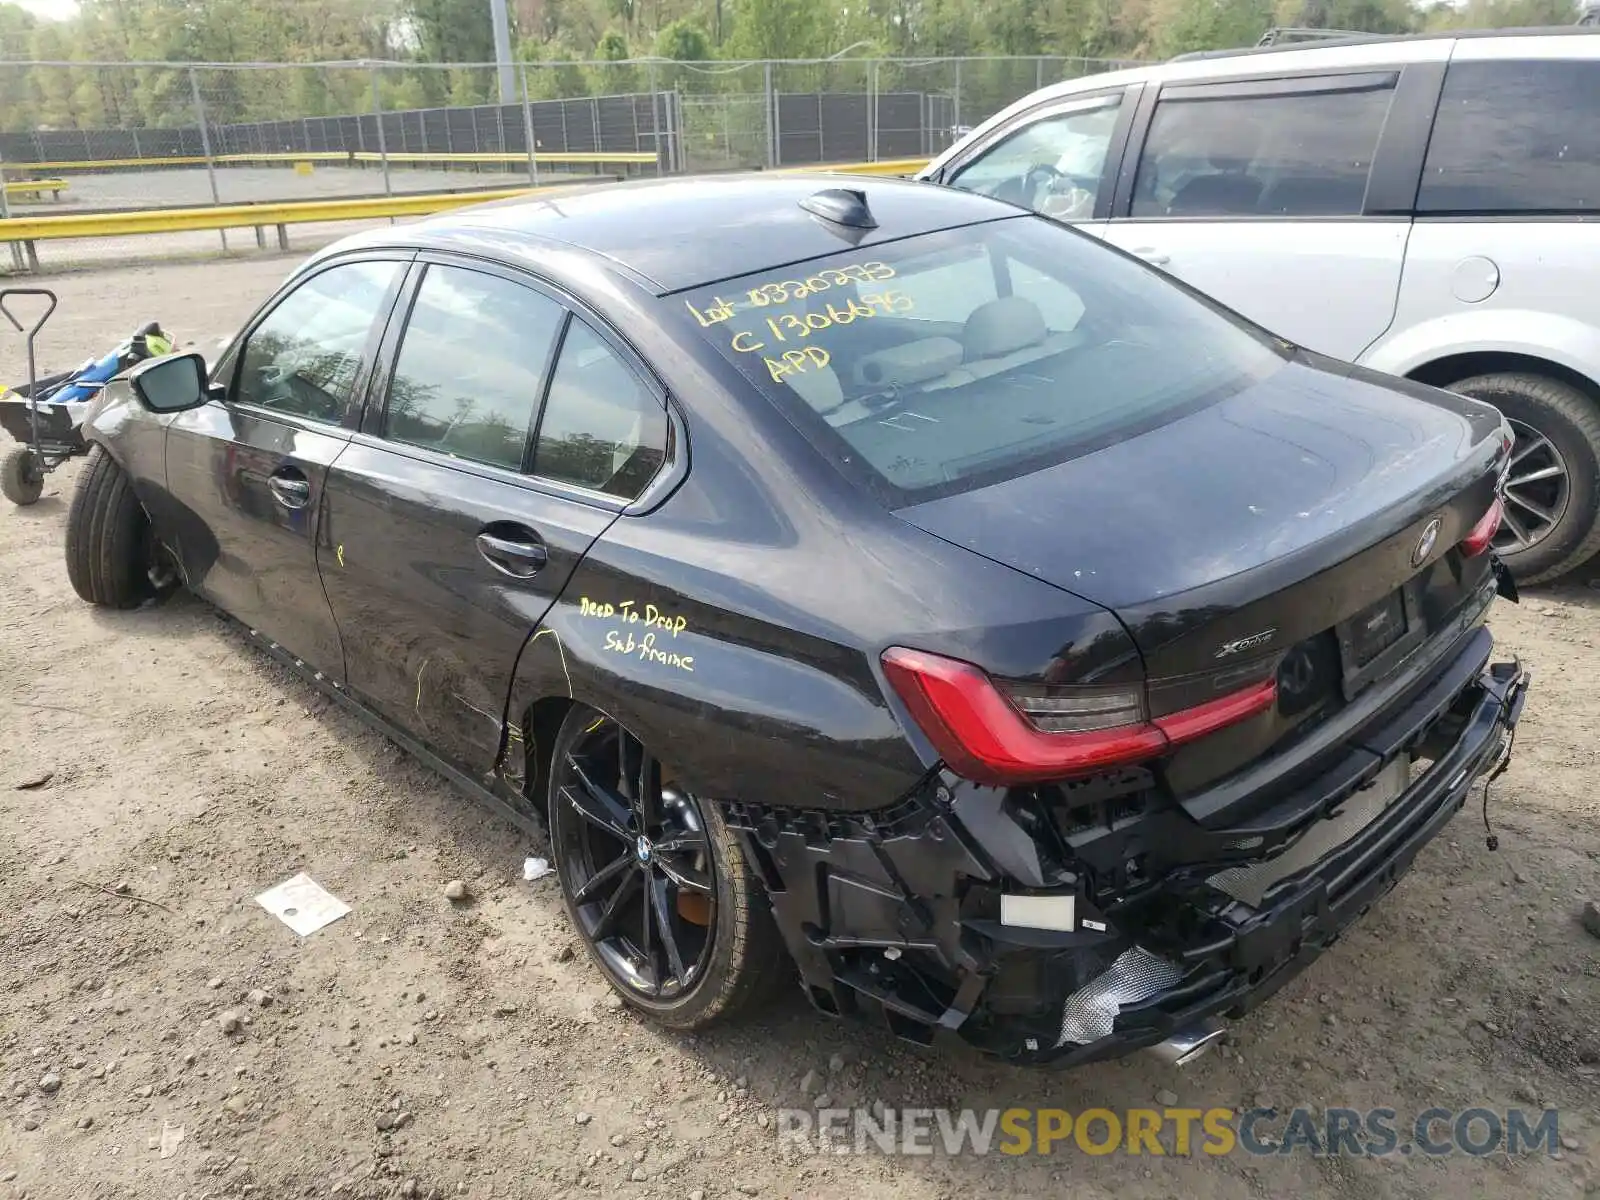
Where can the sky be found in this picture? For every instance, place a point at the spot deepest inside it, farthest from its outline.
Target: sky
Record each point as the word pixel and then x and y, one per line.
pixel 55 9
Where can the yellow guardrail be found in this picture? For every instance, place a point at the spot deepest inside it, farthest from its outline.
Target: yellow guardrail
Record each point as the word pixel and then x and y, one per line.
pixel 888 166
pixel 234 216
pixel 35 187
pixel 24 231
pixel 552 158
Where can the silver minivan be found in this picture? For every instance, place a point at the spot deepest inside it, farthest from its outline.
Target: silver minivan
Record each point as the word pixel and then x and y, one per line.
pixel 1425 206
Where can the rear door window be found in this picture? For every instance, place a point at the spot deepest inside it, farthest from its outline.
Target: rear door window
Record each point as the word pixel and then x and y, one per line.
pixel 1278 148
pixel 1515 137
pixel 470 373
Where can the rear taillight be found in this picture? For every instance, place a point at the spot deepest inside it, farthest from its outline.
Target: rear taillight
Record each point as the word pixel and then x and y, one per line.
pixel 1481 536
pixel 1025 735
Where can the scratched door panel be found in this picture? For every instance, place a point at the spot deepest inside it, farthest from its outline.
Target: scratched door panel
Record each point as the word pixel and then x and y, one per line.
pixel 431 627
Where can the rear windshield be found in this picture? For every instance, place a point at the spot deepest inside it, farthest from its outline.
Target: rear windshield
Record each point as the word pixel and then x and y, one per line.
pixel 947 361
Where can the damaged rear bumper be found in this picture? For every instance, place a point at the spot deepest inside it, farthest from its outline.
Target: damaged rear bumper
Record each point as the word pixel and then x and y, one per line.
pixel 898 913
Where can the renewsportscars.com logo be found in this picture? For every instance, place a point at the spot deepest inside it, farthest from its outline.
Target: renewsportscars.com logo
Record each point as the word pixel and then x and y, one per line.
pixel 1180 1132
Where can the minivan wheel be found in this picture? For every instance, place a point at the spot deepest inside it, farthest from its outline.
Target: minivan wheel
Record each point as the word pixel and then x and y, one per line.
pixel 654 882
pixel 1552 518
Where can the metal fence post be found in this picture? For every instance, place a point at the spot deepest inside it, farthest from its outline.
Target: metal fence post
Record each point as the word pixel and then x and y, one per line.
pixel 772 117
pixel 655 117
pixel 377 117
pixel 872 111
pixel 205 146
pixel 957 108
pixel 674 100
pixel 527 130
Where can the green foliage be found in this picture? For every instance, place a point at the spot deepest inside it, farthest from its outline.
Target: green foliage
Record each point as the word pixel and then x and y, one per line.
pixel 682 40
pixel 782 29
pixel 618 33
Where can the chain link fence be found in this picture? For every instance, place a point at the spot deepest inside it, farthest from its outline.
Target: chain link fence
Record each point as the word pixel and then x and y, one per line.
pixel 150 135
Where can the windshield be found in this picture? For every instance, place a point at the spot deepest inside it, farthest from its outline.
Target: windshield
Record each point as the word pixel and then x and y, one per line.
pixel 950 360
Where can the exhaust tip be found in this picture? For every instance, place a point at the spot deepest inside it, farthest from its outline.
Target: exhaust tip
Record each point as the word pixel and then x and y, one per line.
pixel 1188 1044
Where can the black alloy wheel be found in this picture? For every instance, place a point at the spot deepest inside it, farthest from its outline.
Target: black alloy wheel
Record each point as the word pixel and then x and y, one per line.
pixel 636 864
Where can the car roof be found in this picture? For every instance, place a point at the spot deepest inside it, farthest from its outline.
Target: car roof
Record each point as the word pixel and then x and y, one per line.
pixel 682 232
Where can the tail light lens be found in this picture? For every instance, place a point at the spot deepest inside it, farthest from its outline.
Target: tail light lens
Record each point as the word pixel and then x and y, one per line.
pixel 1481 536
pixel 1024 735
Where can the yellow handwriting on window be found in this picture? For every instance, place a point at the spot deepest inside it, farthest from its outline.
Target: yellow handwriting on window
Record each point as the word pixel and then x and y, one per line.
pixel 787 326
pixel 796 362
pixel 782 291
pixel 715 313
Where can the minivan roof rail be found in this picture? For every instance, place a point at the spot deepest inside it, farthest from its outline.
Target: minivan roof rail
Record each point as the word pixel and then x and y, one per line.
pixel 1281 34
pixel 1587 25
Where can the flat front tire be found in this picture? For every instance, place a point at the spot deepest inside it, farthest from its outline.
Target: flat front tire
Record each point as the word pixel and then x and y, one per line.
pixel 1552 521
pixel 108 537
pixel 654 882
pixel 21 476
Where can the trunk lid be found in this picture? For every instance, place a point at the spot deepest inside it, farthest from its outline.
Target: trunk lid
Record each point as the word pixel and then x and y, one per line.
pixel 1287 521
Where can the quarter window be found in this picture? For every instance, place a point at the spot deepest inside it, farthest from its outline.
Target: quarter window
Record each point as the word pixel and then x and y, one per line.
pixel 305 356
pixel 1515 137
pixel 1053 166
pixel 471 367
pixel 601 429
pixel 1232 151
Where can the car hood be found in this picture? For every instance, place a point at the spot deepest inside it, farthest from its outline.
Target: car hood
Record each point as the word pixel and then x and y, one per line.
pixel 1320 453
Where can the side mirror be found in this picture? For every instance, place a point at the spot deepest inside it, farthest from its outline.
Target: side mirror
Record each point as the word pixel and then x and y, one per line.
pixel 172 383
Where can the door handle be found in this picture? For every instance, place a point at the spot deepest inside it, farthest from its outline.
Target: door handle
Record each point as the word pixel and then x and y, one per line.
pixel 1153 256
pixel 290 488
pixel 521 555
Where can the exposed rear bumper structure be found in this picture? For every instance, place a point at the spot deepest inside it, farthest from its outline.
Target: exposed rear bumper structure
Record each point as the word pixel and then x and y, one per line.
pixel 1163 921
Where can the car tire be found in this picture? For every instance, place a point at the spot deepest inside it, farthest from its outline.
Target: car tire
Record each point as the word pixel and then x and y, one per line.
pixel 1569 422
pixel 739 961
pixel 21 476
pixel 108 537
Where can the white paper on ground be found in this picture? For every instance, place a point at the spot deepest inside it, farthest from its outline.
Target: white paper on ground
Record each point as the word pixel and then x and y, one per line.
pixel 302 904
pixel 535 868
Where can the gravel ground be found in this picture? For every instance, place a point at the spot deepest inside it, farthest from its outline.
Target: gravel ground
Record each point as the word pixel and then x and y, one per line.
pixel 424 1047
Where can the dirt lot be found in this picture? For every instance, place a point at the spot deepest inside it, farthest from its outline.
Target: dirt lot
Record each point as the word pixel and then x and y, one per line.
pixel 193 771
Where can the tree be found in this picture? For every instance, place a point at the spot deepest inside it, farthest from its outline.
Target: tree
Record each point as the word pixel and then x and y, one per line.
pixel 612 80
pixel 683 40
pixel 782 28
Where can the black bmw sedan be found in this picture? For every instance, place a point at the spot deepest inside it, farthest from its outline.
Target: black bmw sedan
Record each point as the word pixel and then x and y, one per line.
pixel 869 583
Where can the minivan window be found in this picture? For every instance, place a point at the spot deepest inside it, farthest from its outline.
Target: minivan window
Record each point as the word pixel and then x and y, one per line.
pixel 1278 153
pixel 1053 165
pixel 920 384
pixel 1515 137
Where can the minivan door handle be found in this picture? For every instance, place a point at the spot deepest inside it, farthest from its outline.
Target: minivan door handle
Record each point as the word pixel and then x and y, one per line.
pixel 513 550
pixel 289 487
pixel 1153 256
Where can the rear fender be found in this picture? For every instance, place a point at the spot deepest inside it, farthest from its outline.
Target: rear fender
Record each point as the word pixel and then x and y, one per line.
pixel 732 718
pixel 1568 342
